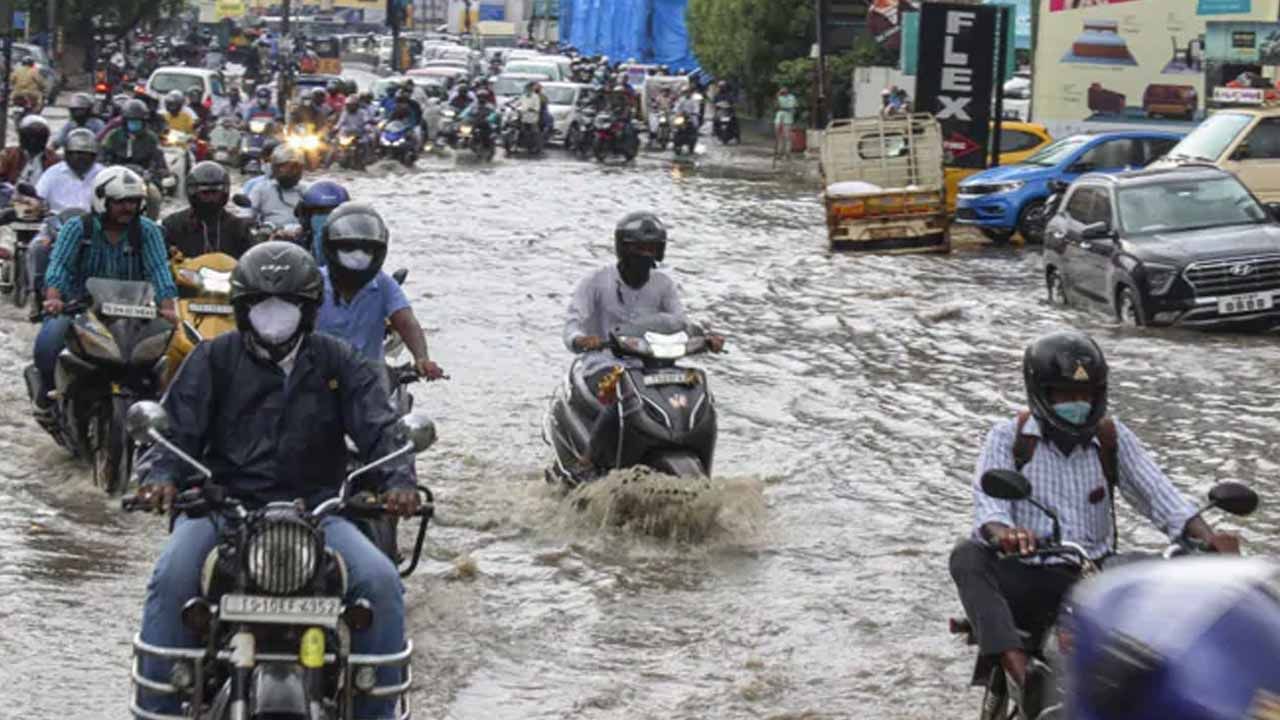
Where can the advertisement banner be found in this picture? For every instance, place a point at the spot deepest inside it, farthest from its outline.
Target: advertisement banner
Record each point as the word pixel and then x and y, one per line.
pixel 1129 63
pixel 954 80
pixel 884 21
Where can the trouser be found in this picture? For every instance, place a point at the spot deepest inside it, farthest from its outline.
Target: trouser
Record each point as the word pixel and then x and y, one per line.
pixel 37 262
pixel 176 579
pixel 50 341
pixel 1004 595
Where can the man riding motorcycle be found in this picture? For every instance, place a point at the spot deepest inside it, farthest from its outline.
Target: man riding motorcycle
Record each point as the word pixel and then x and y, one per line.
pixel 177 116
pixel 26 162
pixel 461 98
pixel 66 185
pixel 232 106
pixel 1076 458
pixel 273 200
pixel 360 299
pixel 262 106
pixel 314 112
pixel 267 440
pixel 662 103
pixel 407 110
pixel 132 143
pixel 313 210
pixel 690 105
pixel 26 83
pixel 81 111
pixel 614 295
pixel 206 226
pixel 336 99
pixel 203 113
pixel 113 241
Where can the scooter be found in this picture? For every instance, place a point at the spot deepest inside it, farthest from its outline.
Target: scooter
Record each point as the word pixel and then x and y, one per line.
pixel 661 136
pixel 351 150
pixel 686 134
pixel 224 144
pixel 261 129
pixel 395 140
pixel 478 136
pixel 115 355
pixel 204 305
pixel 725 126
pixel 665 415
pixel 15 271
pixel 522 130
pixel 179 158
pixel 1042 698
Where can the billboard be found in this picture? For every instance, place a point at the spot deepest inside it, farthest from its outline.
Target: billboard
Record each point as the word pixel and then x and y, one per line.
pixel 954 77
pixel 1126 62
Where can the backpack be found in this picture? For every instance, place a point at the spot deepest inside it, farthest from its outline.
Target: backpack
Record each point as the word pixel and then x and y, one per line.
pixel 1024 448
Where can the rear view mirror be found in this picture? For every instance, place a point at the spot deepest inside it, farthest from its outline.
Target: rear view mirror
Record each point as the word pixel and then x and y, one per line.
pixel 1006 485
pixel 27 189
pixel 1100 230
pixel 1233 497
pixel 145 416
pixel 1058 186
pixel 422 432
pixel 241 200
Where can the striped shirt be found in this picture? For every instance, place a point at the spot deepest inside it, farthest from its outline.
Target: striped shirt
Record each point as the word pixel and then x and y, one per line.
pixel 72 262
pixel 1064 484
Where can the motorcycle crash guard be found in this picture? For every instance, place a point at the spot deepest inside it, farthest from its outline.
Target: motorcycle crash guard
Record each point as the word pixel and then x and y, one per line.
pixel 279 691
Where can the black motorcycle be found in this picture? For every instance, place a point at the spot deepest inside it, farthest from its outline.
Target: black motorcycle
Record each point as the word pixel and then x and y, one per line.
pixel 478 135
pixel 1038 216
pixel 725 126
pixel 115 356
pixel 685 127
pixel 271 614
pixel 581 134
pixel 522 131
pixel 667 418
pixel 1042 698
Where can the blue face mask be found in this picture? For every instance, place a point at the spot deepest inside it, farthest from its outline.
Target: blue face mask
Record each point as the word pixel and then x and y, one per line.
pixel 1073 412
pixel 133 126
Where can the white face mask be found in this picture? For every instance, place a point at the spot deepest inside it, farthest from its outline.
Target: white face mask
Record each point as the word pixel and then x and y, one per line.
pixel 275 320
pixel 356 260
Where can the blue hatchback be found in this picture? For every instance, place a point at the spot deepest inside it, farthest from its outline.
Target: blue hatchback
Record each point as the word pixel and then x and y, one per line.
pixel 1000 200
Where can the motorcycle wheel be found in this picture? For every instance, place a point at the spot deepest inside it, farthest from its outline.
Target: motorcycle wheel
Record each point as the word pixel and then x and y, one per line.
pixel 111 452
pixel 20 287
pixel 630 148
pixel 599 150
pixel 995 697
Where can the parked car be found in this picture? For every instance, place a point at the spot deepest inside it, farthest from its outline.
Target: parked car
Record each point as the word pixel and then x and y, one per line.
pixel 1018 141
pixel 544 69
pixel 1245 141
pixel 1184 246
pixel 999 201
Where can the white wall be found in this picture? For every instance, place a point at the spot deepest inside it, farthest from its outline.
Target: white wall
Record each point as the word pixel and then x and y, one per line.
pixel 869 81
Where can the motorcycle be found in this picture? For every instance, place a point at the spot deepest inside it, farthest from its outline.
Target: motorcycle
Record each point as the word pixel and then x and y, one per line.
pixel 308 142
pixel 522 130
pixel 15 271
pixel 224 144
pixel 581 133
pixel 661 136
pixel 1038 216
pixel 352 150
pixel 666 417
pixel 204 305
pixel 1048 644
pixel 448 132
pixel 261 129
pixel 115 355
pixel 614 137
pixel 179 158
pixel 478 136
pixel 277 630
pixel 686 134
pixel 395 140
pixel 725 126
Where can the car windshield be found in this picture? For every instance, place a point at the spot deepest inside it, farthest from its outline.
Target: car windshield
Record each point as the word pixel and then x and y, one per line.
pixel 546 71
pixel 558 95
pixel 509 86
pixel 1212 137
pixel 1187 205
pixel 1056 152
pixel 166 82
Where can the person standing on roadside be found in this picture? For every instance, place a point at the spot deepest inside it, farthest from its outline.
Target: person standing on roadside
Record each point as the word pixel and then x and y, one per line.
pixel 783 120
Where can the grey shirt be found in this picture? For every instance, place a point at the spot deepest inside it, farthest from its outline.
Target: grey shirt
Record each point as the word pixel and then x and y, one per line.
pixel 275 205
pixel 602 300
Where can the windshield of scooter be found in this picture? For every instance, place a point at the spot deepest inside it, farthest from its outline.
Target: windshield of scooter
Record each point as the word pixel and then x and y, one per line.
pixel 122 298
pixel 658 337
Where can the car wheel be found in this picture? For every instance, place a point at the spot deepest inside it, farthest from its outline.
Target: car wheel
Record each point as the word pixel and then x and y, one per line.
pixel 1055 288
pixel 1128 311
pixel 1031 222
pixel 998 236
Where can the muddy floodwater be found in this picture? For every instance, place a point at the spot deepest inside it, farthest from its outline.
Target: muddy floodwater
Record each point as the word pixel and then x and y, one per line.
pixel 853 400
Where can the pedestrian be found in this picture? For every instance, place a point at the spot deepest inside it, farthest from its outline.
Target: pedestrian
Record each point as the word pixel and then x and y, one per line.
pixel 783 119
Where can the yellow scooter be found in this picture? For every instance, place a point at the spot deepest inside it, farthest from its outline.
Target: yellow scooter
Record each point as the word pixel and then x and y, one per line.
pixel 204 305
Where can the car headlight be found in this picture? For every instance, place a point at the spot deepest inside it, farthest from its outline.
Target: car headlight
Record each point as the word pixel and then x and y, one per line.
pixel 1005 187
pixel 283 554
pixel 1159 277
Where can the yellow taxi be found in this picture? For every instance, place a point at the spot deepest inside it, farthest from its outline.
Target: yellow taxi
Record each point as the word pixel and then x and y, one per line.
pixel 1018 141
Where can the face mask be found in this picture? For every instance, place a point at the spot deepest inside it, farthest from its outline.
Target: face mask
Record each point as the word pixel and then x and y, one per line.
pixel 1073 412
pixel 133 126
pixel 288 181
pixel 275 320
pixel 355 260
pixel 635 269
pixel 79 162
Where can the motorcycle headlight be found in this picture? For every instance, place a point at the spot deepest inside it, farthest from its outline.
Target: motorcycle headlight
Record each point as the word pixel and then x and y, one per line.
pixel 346 140
pixel 150 348
pixel 1160 277
pixel 257 127
pixel 283 554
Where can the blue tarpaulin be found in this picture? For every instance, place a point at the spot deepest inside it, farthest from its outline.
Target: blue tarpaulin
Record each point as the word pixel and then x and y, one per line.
pixel 650 31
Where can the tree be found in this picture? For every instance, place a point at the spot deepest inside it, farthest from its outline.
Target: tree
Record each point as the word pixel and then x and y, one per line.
pixel 747 39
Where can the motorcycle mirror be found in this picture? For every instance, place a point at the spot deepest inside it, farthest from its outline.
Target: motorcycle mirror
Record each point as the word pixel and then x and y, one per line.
pixel 421 430
pixel 241 200
pixel 400 275
pixel 27 189
pixel 1233 497
pixel 143 417
pixel 1006 485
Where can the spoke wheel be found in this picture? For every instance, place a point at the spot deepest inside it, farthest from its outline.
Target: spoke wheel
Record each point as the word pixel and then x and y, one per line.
pixel 995 698
pixel 1056 289
pixel 110 446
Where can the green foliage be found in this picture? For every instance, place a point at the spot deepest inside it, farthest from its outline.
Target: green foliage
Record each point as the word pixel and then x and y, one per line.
pixel 117 15
pixel 747 39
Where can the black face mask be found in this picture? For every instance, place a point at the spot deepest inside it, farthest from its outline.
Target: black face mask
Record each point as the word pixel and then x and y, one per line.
pixel 635 269
pixel 33 144
pixel 288 182
pixel 80 163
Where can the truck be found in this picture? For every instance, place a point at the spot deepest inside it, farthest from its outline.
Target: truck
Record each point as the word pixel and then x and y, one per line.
pixel 884 188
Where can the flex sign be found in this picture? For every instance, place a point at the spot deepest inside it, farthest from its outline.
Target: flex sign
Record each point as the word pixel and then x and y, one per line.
pixel 955 77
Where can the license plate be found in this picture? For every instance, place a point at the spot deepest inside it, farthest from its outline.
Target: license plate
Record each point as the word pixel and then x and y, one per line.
pixel 1250 302
pixel 887 233
pixel 669 378
pixel 210 309
pixel 145 312
pixel 280 610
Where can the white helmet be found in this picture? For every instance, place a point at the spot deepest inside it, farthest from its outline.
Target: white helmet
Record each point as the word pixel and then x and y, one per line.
pixel 117 183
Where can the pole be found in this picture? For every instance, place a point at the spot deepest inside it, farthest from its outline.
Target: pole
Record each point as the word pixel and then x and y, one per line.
pixel 1002 58
pixel 820 71
pixel 286 72
pixel 395 16
pixel 6 26
pixel 51 27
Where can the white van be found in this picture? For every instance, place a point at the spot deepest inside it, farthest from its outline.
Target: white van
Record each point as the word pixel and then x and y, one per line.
pixel 166 79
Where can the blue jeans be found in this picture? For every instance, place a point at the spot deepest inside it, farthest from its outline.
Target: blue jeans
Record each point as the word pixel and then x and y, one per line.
pixel 50 341
pixel 176 580
pixel 37 262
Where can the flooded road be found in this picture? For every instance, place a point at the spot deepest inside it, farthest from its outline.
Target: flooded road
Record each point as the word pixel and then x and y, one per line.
pixel 854 398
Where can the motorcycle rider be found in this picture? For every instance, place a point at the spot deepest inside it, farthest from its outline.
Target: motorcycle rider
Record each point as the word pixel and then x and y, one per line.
pixel 313 113
pixel 114 240
pixel 232 106
pixel 407 110
pixel 530 104
pixel 483 115
pixel 236 404
pixel 545 122
pixel 359 299
pixel 177 116
pixel 273 200
pixel 690 105
pixel 336 98
pixel 661 104
pixel 25 162
pixel 25 82
pixel 203 113
pixel 206 226
pixel 66 185
pixel 133 144
pixel 461 98
pixel 615 294
pixel 81 110
pixel 1076 458
pixel 262 107
pixel 320 199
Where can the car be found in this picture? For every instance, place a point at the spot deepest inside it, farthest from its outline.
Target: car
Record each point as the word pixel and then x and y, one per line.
pixel 565 63
pixel 52 81
pixel 1187 246
pixel 1018 141
pixel 509 86
pixel 173 77
pixel 1245 141
pixel 562 101
pixel 1017 97
pixel 1000 201
pixel 544 69
pixel 446 74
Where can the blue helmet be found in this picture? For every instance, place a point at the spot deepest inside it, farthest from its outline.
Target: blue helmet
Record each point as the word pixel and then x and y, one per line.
pixel 323 195
pixel 1194 639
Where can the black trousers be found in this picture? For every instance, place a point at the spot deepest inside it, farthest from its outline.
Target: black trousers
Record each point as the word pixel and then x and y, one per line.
pixel 1003 596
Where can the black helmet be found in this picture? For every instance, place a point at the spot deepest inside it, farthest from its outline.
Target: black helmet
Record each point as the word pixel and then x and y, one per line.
pixel 275 269
pixel 208 175
pixel 354 226
pixel 334 86
pixel 33 133
pixel 318 95
pixel 135 110
pixel 174 101
pixel 1067 360
pixel 640 227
